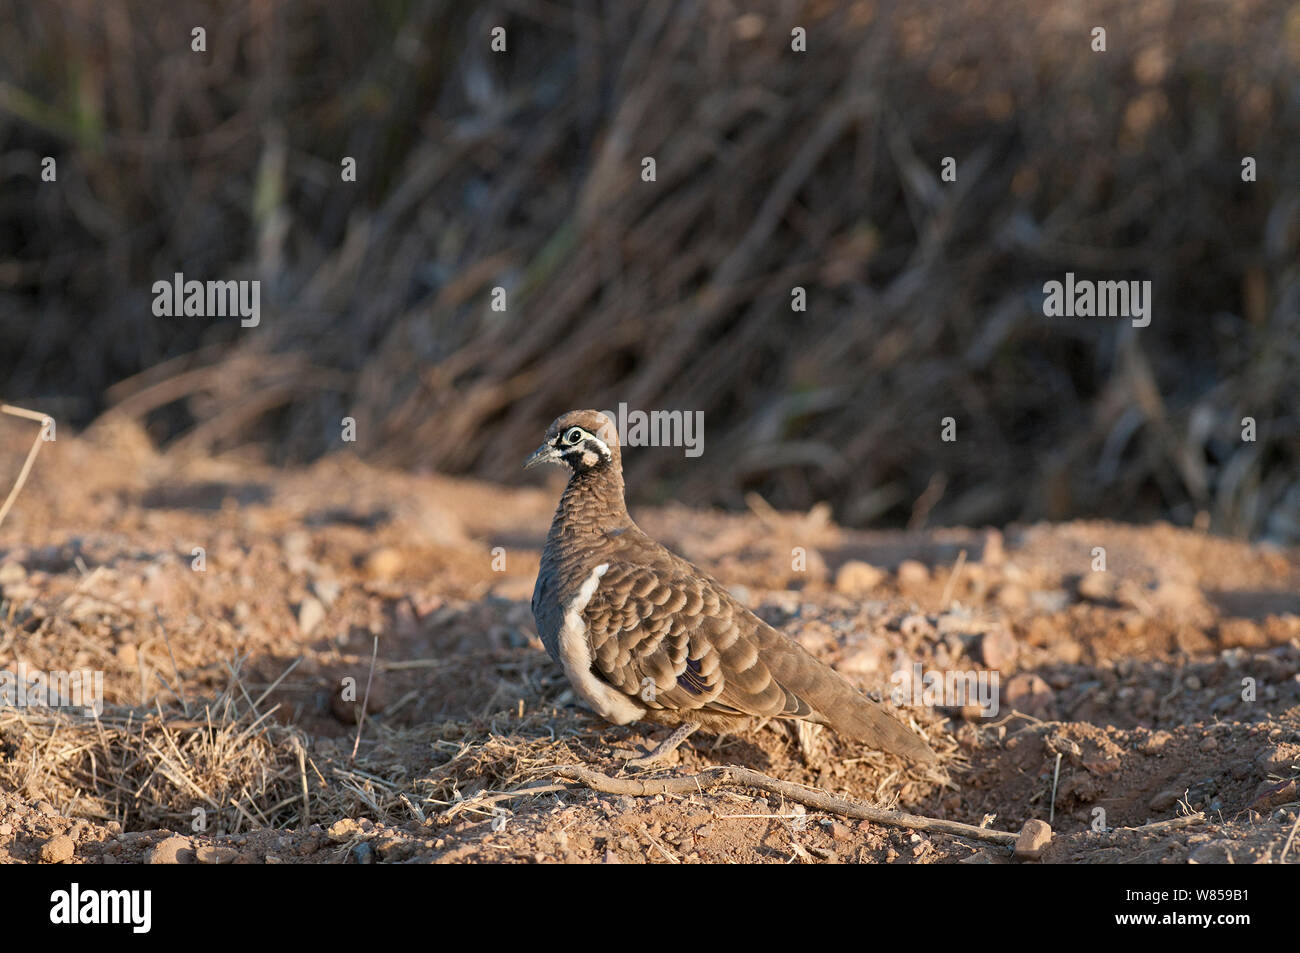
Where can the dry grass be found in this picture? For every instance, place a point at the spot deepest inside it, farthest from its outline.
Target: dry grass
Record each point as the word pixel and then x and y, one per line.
pixel 247 770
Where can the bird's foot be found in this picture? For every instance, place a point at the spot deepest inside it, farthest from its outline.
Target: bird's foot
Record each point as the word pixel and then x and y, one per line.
pixel 665 747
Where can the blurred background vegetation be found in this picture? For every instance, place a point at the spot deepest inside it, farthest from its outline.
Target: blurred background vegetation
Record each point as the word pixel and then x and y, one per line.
pixel 775 169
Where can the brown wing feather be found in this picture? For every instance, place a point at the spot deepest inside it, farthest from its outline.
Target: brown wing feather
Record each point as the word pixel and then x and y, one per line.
pixel 665 621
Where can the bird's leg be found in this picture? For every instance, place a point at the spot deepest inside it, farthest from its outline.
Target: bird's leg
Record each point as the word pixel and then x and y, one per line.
pixel 667 746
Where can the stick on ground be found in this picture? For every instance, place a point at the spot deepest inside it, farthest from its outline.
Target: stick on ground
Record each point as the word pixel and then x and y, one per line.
pixel 747 778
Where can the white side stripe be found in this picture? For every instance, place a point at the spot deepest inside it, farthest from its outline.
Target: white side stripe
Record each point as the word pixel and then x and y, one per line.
pixel 575 656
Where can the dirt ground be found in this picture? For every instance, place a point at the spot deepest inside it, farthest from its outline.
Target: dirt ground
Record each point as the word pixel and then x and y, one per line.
pixel 1163 689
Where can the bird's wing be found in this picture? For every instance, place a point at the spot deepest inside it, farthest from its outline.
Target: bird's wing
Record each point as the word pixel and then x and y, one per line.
pixel 677 640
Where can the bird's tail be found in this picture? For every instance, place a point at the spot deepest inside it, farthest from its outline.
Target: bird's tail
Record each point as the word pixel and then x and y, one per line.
pixel 846 709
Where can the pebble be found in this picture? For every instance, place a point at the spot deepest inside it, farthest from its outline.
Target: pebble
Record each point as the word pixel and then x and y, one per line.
pixel 212 854
pixel 385 563
pixel 1165 799
pixel 1033 840
pixel 1156 742
pixel 171 850
pixel 1096 587
pixel 1215 852
pixel 1028 693
pixel 343 829
pixel 310 614
pixel 58 850
pixel 1012 596
pixel 912 574
pixel 857 579
pixel 327 590
pixel 998 648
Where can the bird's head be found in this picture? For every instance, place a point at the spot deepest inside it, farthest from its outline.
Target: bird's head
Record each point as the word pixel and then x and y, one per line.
pixel 581 440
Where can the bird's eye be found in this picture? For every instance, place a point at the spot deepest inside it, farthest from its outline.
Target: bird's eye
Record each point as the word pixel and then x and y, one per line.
pixel 573 436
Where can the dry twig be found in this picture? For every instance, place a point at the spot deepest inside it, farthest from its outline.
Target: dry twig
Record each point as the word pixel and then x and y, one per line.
pixel 745 777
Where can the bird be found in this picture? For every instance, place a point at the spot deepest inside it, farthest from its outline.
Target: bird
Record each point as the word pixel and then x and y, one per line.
pixel 644 635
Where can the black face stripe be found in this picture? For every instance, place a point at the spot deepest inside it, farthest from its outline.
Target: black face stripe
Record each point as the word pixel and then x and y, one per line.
pixel 572 454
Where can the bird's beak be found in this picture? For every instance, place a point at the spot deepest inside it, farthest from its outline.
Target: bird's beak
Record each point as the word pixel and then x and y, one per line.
pixel 543 454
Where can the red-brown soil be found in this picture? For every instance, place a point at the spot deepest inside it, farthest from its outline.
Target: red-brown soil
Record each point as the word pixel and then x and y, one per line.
pixel 1125 695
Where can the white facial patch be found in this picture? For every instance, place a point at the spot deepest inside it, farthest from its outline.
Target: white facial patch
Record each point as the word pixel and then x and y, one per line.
pixel 601 445
pixel 575 657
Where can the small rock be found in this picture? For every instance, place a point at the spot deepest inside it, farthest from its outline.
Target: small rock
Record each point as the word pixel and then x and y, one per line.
pixel 343 829
pixel 171 850
pixel 1033 840
pixel 363 853
pixel 1097 587
pixel 213 854
pixel 912 574
pixel 1156 742
pixel 998 648
pixel 1270 794
pixel 857 579
pixel 385 563
pixel 1012 596
pixel 1211 743
pixel 1241 633
pixel 12 573
pixel 1029 694
pixel 1215 852
pixel 327 590
pixel 58 850
pixel 1165 799
pixel 310 614
pixel 297 544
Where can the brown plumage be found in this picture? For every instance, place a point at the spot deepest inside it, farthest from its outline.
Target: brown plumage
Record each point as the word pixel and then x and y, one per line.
pixel 644 635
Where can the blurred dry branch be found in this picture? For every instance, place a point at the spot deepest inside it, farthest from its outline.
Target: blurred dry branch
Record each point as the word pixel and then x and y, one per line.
pixel 775 169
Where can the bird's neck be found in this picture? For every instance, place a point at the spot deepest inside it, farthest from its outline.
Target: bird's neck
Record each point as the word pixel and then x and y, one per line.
pixel 592 503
